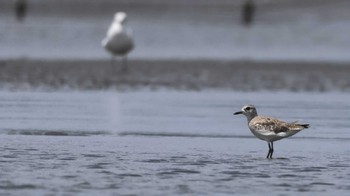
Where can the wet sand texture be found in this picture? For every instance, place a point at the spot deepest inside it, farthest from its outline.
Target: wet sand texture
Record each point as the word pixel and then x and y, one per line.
pixel 176 74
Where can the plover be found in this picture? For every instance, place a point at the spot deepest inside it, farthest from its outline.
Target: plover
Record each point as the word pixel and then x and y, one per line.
pixel 269 129
pixel 119 41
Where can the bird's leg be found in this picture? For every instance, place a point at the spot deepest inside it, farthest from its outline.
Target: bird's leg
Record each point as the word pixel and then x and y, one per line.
pixel 113 64
pixel 112 60
pixel 125 64
pixel 269 154
pixel 271 150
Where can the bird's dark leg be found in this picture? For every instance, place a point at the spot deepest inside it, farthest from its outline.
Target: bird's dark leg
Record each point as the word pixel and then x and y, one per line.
pixel 112 60
pixel 269 154
pixel 113 63
pixel 271 150
pixel 125 64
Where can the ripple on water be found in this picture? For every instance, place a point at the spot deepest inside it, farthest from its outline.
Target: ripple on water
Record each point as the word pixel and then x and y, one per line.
pixel 98 165
pixel 83 185
pixel 240 174
pixel 288 176
pixel 70 176
pixel 93 155
pixel 197 163
pixel 183 189
pixel 310 169
pixel 176 171
pixel 176 158
pixel 128 175
pixel 344 187
pixel 338 165
pixel 322 184
pixel 10 156
pixel 10 185
pixel 67 158
pixel 155 161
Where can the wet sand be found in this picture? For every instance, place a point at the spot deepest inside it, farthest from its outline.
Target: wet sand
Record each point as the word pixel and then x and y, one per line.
pixel 174 74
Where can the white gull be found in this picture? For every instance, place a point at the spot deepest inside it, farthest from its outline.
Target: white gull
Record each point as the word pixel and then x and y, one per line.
pixel 119 41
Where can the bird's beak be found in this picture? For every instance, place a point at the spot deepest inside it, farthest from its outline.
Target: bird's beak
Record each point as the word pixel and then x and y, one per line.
pixel 240 112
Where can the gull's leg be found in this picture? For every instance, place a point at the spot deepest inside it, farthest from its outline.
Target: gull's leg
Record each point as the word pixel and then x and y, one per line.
pixel 112 60
pixel 125 64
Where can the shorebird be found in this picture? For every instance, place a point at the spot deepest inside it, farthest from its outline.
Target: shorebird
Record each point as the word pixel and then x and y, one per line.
pixel 118 40
pixel 269 129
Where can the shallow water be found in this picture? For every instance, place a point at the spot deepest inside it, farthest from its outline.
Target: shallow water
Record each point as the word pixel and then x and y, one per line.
pixel 169 143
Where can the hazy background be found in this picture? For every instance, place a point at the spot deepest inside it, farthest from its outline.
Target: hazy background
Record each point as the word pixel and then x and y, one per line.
pixel 310 30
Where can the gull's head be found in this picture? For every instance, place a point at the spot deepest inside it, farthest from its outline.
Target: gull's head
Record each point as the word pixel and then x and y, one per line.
pixel 120 17
pixel 248 110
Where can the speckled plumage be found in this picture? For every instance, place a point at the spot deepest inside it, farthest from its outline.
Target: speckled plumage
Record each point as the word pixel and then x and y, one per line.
pixel 269 129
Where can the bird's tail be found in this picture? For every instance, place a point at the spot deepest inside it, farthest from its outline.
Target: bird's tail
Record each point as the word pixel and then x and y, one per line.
pixel 304 125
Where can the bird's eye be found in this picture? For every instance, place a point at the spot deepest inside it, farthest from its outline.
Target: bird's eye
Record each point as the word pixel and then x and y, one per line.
pixel 247 108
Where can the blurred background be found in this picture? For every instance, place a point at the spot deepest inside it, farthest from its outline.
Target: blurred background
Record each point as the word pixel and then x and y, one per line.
pixel 310 30
pixel 178 44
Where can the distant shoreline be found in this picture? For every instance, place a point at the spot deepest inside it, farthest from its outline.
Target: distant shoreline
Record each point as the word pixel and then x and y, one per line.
pixel 315 30
pixel 175 74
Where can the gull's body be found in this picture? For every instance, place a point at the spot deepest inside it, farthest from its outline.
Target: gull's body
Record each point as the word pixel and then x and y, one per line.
pixel 269 129
pixel 119 41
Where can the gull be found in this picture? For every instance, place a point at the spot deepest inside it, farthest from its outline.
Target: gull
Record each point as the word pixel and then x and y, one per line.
pixel 118 40
pixel 269 129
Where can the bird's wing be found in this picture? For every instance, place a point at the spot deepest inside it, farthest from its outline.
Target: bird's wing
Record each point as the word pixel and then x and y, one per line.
pixel 114 30
pixel 269 124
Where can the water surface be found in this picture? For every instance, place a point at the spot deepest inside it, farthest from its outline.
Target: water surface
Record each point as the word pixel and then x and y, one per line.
pixel 169 143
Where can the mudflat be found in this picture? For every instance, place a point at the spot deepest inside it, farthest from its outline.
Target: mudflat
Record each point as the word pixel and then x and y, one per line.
pixel 176 74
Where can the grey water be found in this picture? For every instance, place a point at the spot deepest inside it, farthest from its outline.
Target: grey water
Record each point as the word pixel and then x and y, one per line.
pixel 169 142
